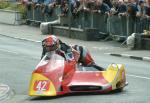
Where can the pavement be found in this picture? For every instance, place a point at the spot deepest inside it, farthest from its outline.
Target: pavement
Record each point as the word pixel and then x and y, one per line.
pixel 33 34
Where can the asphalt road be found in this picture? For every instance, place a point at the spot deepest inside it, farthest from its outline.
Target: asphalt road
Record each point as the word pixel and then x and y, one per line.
pixel 18 59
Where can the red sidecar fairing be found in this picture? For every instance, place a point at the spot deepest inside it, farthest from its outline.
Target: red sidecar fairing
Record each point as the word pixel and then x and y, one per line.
pixel 55 76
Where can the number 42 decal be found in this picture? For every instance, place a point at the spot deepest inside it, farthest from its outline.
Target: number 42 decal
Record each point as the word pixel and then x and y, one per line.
pixel 41 85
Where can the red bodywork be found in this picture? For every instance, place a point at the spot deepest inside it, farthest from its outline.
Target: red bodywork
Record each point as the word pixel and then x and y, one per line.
pixel 69 77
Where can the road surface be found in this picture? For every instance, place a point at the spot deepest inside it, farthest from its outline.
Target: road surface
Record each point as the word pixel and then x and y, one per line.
pixel 18 59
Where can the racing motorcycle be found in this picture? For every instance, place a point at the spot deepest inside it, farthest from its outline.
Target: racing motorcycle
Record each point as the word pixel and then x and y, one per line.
pixel 56 75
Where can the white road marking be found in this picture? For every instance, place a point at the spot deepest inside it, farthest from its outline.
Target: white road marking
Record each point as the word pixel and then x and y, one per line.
pixel 125 55
pixel 136 76
pixel 27 39
pixel 96 47
pixel 4 50
pixel 146 58
pixel 107 53
pixel 21 38
pixel 104 48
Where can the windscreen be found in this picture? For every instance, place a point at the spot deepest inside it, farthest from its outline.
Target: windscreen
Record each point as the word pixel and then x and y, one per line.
pixel 52 61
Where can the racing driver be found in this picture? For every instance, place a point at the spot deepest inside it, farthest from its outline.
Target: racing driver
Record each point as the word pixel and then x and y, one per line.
pixel 81 54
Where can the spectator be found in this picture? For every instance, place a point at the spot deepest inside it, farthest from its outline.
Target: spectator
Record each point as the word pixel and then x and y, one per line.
pixel 37 3
pixel 108 2
pixel 101 7
pixel 140 21
pixel 78 6
pixel 90 5
pixel 141 9
pixel 121 8
pixel 64 7
pixel 74 7
pixel 113 8
pixel 28 4
pixel 25 2
pixel 58 2
pixel 82 6
pixel 85 5
pixel 132 8
pixel 47 2
pixel 49 5
pixel 131 13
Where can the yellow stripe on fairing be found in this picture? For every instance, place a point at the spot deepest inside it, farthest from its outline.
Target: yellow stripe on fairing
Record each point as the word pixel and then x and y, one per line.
pixel 113 74
pixel 110 74
pixel 32 92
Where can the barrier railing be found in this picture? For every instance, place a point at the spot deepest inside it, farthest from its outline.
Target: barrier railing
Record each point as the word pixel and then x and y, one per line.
pixel 120 26
pixel 36 14
pixel 142 24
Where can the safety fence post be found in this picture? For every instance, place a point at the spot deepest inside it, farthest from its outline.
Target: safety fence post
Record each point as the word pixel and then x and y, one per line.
pixel 91 15
pixel 115 27
pixel 131 25
pixel 141 24
pixel 30 12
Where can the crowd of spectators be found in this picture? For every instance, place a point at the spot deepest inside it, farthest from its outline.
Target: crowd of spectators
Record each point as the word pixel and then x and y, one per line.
pixel 130 15
pixel 134 8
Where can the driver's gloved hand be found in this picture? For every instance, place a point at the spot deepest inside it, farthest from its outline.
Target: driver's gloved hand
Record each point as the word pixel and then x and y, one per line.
pixel 65 48
pixel 69 56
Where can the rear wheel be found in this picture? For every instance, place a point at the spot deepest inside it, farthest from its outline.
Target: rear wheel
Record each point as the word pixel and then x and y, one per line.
pixel 120 85
pixel 120 89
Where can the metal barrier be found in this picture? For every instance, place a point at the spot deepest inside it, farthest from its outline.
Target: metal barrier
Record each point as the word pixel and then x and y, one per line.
pixel 119 26
pixel 124 26
pixel 90 20
pixel 30 12
pixel 131 26
pixel 142 24
pixel 81 20
pixel 99 21
pixel 53 16
pixel 36 14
